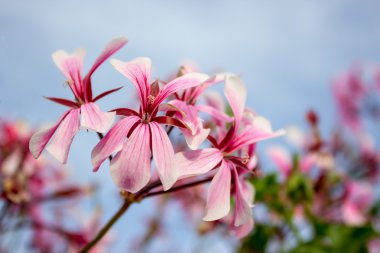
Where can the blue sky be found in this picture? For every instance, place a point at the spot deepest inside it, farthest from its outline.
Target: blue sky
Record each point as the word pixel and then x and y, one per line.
pixel 286 51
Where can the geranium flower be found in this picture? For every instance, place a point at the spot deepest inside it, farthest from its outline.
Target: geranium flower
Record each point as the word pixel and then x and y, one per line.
pixel 130 168
pixel 185 108
pixel 83 111
pixel 224 157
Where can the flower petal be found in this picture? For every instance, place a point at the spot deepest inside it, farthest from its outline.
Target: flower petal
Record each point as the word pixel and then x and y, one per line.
pixel 64 135
pixel 218 196
pixel 112 47
pixel 217 78
pixel 236 94
pixel 281 159
pixel 71 66
pixel 196 134
pixel 183 82
pixel 130 168
pixel 40 139
pixel 259 130
pixel 308 162
pixel 194 140
pixel 215 100
pixel 243 211
pixel 163 156
pixel 113 141
pixel 94 119
pixel 243 230
pixel 197 162
pixel 218 115
pixel 352 214
pixel 138 72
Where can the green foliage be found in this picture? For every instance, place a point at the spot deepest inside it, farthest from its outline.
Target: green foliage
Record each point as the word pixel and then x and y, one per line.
pixel 298 191
pixel 330 237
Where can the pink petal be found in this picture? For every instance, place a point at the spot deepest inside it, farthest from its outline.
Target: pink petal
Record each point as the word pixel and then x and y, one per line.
pixel 112 47
pixel 206 84
pixel 243 230
pixel 259 130
pixel 169 108
pixel 130 168
pixel 197 162
pixel 248 192
pixel 189 115
pixel 183 82
pixel 218 115
pixel 163 156
pixel 218 196
pixel 353 215
pixel 243 212
pixel 64 135
pixel 236 94
pixel 112 141
pixel 94 119
pixel 281 159
pixel 308 162
pixel 215 100
pixel 196 139
pixel 138 72
pixel 71 66
pixel 40 139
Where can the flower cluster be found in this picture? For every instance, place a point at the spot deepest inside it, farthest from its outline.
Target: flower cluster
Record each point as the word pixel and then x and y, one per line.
pixel 325 192
pixel 223 149
pixel 33 191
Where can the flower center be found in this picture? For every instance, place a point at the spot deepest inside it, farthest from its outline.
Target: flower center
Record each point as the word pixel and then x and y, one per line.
pixel 151 99
pixel 145 118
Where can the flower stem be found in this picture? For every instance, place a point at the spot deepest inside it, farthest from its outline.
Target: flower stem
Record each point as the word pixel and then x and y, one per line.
pixel 109 224
pixel 132 198
pixel 178 188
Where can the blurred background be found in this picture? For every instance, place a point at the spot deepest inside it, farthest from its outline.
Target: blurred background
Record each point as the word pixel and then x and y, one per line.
pixel 287 52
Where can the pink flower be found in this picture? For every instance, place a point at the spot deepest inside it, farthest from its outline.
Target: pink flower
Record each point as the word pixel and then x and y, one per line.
pixel 349 90
pixel 230 166
pixel 186 110
pixel 283 160
pixel 356 203
pixel 130 168
pixel 83 111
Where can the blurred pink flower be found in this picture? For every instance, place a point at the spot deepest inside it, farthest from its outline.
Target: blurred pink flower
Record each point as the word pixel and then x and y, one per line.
pixel 356 203
pixel 283 160
pixel 348 91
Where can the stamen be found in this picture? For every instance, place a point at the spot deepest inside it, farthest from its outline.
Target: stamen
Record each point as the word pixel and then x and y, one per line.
pixel 151 99
pixel 245 159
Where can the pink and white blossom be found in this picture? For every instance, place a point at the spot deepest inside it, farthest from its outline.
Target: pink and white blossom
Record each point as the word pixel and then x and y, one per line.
pixel 130 168
pixel 224 157
pixel 83 112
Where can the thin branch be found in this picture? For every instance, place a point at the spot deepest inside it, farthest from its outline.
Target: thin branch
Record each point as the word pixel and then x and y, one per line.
pixel 179 187
pixel 132 198
pixel 109 224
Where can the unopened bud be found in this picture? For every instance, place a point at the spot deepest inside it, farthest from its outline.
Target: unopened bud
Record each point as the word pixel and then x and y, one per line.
pixel 312 117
